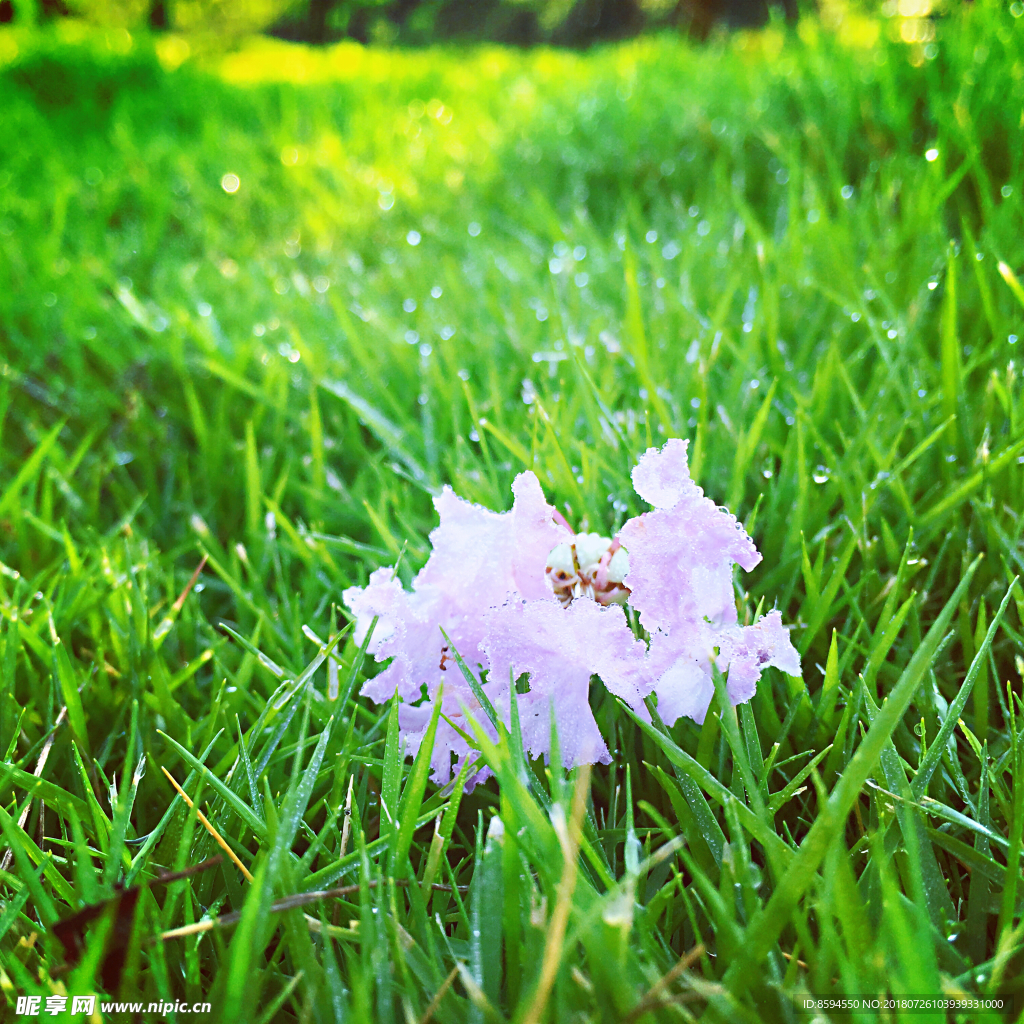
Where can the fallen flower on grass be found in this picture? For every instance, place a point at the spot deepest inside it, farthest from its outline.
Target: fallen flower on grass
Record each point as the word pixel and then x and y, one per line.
pixel 517 592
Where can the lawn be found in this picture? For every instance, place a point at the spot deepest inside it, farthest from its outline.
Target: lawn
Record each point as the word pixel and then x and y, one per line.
pixel 258 307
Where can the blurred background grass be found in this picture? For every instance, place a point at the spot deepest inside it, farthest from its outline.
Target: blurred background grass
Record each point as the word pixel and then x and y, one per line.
pixel 259 300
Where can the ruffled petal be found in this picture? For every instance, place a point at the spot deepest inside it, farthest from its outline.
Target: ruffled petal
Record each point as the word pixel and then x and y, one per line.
pixel 535 534
pixel 747 650
pixel 681 555
pixel 682 661
pixel 471 554
pixel 561 648
pixel 662 476
pixel 413 723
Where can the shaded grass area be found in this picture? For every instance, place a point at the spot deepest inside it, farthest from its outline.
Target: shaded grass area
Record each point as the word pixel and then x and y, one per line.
pixel 257 309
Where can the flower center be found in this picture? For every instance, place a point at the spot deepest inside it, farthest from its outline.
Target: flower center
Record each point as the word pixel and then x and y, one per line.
pixel 589 566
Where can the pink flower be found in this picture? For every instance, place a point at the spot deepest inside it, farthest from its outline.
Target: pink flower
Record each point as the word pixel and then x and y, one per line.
pixel 517 592
pixel 680 581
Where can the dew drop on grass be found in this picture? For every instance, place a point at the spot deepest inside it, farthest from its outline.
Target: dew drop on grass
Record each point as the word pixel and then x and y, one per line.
pixel 821 474
pixel 436 292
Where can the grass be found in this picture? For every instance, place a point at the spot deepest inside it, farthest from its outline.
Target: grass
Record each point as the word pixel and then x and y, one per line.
pixel 797 249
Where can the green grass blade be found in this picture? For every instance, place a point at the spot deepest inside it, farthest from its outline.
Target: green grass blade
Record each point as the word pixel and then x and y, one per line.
pixel 766 927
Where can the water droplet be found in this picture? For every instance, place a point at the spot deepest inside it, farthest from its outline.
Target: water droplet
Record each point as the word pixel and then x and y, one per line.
pixel 230 183
pixel 412 337
pixel 846 191
pixel 436 292
pixel 821 474
pixel 931 155
pixel 409 305
pixel 932 285
pixel 473 229
pixel 581 279
pixel 204 309
pixel 651 236
pixel 413 238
